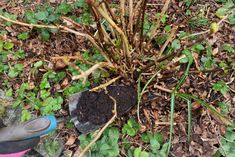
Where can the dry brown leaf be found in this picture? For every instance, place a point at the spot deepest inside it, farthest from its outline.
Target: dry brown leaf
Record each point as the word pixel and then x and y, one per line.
pixel 59 65
pixel 146 114
pixel 70 141
pixel 64 83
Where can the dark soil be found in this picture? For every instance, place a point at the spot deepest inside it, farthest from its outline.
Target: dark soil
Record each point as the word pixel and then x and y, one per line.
pixel 97 108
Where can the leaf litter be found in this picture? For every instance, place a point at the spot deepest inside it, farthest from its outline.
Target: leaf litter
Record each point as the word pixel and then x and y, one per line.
pixel 155 104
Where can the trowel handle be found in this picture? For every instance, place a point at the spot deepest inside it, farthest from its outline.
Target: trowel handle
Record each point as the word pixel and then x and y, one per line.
pixel 30 129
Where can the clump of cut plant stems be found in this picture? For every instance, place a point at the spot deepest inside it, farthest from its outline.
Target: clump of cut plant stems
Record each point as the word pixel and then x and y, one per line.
pixel 122 41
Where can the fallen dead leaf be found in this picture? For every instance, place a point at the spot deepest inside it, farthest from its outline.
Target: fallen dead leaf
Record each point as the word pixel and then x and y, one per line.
pixel 146 114
pixel 59 65
pixel 70 141
pixel 27 107
pixel 64 83
pixel 196 105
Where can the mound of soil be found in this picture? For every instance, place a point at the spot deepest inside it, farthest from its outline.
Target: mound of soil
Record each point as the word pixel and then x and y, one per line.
pixel 96 107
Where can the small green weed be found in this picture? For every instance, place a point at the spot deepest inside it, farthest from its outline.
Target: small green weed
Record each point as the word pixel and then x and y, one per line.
pixel 208 60
pixel 221 86
pixel 51 147
pixel 227 144
pixel 228 48
pixel 109 143
pixel 15 70
pixel 225 107
pixel 227 10
pixel 106 146
pixel 23 36
pixel 131 128
pixel 140 153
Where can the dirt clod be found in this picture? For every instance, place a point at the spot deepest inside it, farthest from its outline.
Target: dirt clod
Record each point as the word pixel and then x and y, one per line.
pixel 97 107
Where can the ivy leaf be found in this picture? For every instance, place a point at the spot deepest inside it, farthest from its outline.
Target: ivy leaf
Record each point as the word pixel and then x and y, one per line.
pixel 23 36
pixel 42 15
pixel 176 44
pixel 224 107
pixel 146 137
pixel 155 145
pixel 38 64
pixel 221 12
pixel 164 148
pixel 25 115
pixel 30 17
pixel 64 8
pixel 44 84
pixel 228 48
pixel 131 127
pixel 221 86
pixel 10 16
pixel 197 48
pixel 8 45
pixel 231 19
pixel 50 105
pixel 19 54
pixel 15 71
pixel 144 154
pixel 167 28
pixel 137 152
pixel 45 35
pixel 44 94
pixel 188 55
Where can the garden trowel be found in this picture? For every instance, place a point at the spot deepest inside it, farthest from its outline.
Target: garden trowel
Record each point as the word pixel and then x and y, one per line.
pixel 119 93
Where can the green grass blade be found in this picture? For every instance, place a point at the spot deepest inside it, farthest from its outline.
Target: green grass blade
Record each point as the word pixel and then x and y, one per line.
pixel 138 104
pixel 209 107
pixel 172 120
pixel 179 84
pixel 142 92
pixel 189 119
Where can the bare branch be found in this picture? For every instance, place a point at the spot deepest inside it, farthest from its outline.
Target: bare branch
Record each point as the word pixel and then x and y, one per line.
pixel 130 25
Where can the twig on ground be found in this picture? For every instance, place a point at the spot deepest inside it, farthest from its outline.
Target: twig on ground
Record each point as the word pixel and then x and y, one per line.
pixel 88 37
pixel 102 86
pixel 163 89
pixel 206 31
pixel 85 74
pixel 163 123
pixel 84 151
pixel 67 57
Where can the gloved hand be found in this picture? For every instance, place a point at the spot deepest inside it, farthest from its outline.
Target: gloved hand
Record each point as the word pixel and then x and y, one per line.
pixel 16 148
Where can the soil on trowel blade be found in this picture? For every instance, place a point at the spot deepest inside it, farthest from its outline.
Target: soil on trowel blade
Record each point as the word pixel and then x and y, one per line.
pixel 96 107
